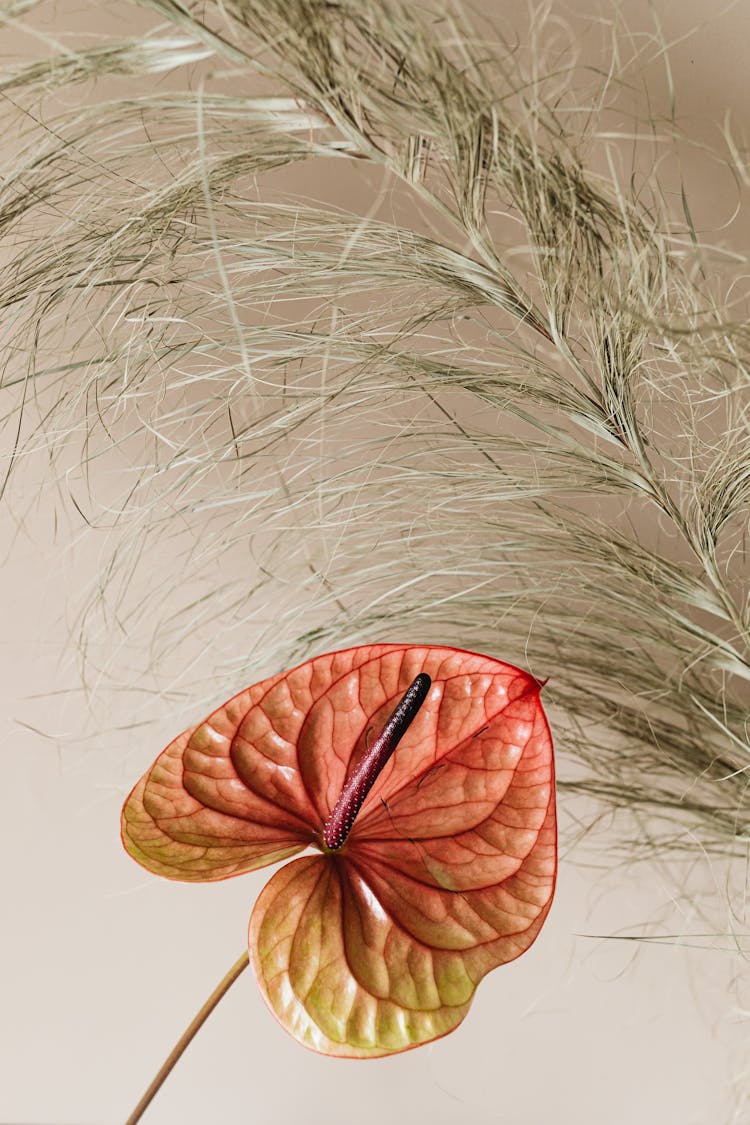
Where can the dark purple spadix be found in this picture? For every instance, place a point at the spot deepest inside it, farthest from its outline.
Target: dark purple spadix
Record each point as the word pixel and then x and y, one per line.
pixel 352 796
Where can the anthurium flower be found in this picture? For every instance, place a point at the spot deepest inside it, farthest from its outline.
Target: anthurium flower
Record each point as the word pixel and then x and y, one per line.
pixel 422 777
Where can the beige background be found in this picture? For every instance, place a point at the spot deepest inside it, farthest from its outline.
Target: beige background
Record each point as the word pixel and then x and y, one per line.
pixel 102 965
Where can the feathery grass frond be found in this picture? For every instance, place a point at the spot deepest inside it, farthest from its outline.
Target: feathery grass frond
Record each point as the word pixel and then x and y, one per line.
pixel 501 400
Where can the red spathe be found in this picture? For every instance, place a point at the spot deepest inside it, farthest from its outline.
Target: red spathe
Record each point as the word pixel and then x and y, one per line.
pixel 448 870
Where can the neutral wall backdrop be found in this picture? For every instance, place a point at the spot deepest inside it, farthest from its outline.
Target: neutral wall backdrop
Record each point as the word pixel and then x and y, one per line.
pixel 103 965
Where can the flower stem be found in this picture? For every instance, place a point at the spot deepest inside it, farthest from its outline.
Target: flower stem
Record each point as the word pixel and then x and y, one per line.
pixel 188 1034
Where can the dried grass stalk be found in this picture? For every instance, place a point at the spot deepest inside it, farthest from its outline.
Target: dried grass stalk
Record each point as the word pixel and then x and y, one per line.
pixel 503 404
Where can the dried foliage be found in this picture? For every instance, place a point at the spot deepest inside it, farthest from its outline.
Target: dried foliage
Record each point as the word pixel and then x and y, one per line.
pixel 502 405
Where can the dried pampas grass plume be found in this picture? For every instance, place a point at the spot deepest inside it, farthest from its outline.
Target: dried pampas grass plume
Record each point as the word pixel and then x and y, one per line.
pixel 502 404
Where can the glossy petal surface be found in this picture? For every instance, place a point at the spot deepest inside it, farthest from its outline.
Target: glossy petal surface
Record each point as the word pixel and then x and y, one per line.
pixel 448 871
